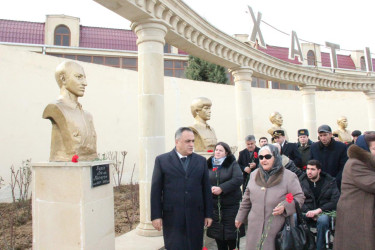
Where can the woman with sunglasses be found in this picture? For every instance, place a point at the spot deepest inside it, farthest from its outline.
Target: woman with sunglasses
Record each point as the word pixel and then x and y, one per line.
pixel 226 180
pixel 265 197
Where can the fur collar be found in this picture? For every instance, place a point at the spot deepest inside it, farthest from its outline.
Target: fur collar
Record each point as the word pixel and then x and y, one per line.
pixel 226 163
pixel 272 181
pixel 355 152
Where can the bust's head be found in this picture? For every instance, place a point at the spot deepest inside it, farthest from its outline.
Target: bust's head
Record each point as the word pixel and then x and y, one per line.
pixel 201 106
pixel 276 118
pixel 342 122
pixel 71 77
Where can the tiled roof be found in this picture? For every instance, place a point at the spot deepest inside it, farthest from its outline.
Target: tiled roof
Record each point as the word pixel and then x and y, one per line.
pixel 279 52
pixel 21 32
pixel 119 39
pixel 104 38
pixel 343 61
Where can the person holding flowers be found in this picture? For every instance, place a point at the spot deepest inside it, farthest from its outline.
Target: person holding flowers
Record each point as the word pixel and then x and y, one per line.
pixel 269 198
pixel 248 159
pixel 226 179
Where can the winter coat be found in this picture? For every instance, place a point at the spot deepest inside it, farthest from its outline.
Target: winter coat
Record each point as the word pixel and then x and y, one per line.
pixel 182 199
pixel 229 176
pixel 329 194
pixel 289 164
pixel 291 151
pixel 332 157
pixel 244 158
pixel 355 222
pixel 305 152
pixel 261 198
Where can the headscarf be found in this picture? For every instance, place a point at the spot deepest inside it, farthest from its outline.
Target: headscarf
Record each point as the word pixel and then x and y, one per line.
pixel 277 165
pixel 361 142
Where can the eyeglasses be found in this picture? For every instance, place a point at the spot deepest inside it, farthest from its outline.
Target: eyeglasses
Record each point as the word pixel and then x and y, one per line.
pixel 268 156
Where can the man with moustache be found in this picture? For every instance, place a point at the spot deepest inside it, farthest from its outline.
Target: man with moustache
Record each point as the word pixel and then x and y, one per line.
pixel 181 199
pixel 322 195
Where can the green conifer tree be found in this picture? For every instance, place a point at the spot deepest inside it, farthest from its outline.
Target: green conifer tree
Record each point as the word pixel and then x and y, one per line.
pixel 201 70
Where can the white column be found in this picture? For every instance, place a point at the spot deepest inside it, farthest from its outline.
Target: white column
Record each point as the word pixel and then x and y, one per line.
pixel 371 109
pixel 244 105
pixel 309 111
pixel 150 43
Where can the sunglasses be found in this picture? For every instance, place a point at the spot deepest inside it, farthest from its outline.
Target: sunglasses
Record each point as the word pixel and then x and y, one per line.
pixel 268 156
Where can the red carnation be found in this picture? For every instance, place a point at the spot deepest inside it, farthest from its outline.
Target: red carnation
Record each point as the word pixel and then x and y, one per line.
pixel 75 158
pixel 289 197
pixel 304 167
pixel 204 248
pixel 210 151
pixel 214 169
pixel 255 155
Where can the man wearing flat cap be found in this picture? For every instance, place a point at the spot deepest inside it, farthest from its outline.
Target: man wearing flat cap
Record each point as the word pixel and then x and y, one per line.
pixel 303 145
pixel 287 148
pixel 330 153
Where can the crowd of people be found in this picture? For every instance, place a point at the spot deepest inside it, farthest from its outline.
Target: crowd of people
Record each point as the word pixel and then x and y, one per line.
pixel 326 178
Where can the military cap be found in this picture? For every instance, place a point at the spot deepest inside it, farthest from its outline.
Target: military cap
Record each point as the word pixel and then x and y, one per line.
pixel 278 133
pixel 303 132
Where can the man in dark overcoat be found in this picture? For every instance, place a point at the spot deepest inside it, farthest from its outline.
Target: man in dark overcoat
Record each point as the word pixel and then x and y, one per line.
pixel 181 199
pixel 287 148
pixel 303 145
pixel 248 159
pixel 330 153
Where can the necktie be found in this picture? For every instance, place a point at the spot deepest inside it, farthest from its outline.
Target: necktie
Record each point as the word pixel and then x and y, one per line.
pixel 183 160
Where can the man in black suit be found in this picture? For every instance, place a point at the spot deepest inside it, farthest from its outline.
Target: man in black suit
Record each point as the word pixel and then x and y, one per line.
pixel 287 148
pixel 248 159
pixel 181 199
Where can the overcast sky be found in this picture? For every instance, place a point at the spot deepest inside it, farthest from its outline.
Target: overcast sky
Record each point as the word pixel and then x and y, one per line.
pixel 347 23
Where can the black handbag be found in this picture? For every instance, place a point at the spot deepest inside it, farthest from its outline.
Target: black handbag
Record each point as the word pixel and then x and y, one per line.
pixel 297 237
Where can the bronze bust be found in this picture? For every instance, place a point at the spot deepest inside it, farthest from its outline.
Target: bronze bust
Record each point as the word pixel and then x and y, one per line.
pixel 73 130
pixel 204 134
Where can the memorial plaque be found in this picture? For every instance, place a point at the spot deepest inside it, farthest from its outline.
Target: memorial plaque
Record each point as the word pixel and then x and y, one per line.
pixel 100 175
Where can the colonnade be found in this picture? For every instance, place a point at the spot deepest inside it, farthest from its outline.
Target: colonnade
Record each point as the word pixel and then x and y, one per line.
pixel 151 39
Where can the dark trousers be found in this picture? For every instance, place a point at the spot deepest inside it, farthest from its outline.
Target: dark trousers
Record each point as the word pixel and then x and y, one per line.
pixel 227 244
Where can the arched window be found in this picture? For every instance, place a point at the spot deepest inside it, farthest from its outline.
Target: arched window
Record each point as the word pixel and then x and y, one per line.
pixel 363 63
pixel 62 36
pixel 311 58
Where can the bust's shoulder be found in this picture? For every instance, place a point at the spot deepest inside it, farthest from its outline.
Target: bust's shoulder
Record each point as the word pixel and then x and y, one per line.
pixel 52 109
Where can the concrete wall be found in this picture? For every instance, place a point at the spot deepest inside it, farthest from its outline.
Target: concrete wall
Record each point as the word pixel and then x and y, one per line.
pixel 27 85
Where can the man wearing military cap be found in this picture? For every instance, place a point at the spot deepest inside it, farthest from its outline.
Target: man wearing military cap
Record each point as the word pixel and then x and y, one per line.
pixel 303 145
pixel 287 148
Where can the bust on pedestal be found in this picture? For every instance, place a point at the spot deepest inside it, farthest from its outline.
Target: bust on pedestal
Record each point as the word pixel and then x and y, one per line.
pixel 277 121
pixel 72 202
pixel 342 132
pixel 204 135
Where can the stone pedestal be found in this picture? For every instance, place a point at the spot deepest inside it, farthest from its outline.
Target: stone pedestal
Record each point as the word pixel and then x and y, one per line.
pixel 68 213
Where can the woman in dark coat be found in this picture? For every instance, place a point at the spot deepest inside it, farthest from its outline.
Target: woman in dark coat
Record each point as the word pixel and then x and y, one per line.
pixel 226 180
pixel 355 222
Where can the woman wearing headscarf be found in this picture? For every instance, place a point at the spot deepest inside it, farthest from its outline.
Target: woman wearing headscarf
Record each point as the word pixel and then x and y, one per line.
pixel 264 197
pixel 355 221
pixel 226 180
